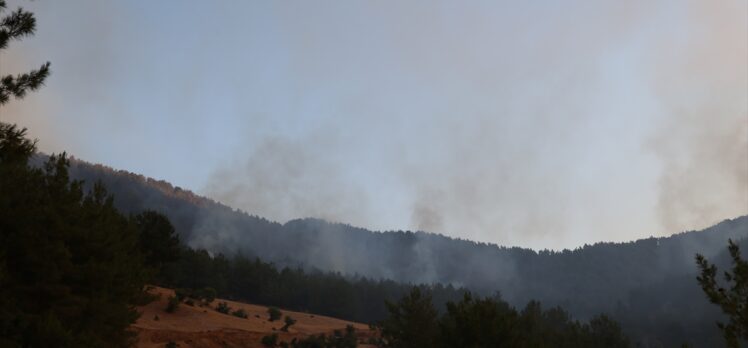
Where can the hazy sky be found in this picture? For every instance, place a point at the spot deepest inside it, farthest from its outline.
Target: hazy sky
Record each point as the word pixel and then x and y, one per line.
pixel 546 124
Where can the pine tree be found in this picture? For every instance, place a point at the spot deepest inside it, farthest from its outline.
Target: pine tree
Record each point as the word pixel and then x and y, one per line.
pixel 157 239
pixel 733 300
pixel 71 268
pixel 15 26
pixel 412 322
pixel 71 271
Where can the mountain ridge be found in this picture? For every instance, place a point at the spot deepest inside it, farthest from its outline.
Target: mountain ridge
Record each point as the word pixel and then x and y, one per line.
pixel 202 201
pixel 611 277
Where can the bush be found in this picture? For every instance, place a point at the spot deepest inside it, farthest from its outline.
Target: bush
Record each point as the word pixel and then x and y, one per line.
pixel 223 307
pixel 239 313
pixel 207 294
pixel 270 340
pixel 172 344
pixel 289 321
pixel 204 295
pixel 172 304
pixel 274 313
pixel 182 293
pixel 338 339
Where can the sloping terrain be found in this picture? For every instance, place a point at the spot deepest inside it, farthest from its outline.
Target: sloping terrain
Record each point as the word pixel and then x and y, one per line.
pixel 586 280
pixel 648 285
pixel 204 327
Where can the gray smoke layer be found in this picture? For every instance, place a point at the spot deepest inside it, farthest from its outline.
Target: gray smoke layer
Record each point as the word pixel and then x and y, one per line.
pixel 626 124
pixel 545 125
pixel 703 146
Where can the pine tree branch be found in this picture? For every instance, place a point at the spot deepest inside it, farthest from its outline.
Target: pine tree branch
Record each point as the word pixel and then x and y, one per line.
pixel 15 26
pixel 19 85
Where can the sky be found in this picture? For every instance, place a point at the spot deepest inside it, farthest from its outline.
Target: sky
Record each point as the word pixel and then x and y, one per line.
pixel 543 124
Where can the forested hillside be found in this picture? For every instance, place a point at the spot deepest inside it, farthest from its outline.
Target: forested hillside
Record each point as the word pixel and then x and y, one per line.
pixel 84 248
pixel 647 284
pixel 73 268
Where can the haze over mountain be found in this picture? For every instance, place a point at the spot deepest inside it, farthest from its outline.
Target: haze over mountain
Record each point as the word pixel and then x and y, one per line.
pixel 489 131
pixel 654 275
pixel 545 124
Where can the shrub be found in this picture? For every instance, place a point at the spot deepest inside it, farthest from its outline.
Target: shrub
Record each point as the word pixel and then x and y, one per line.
pixel 289 321
pixel 239 313
pixel 349 339
pixel 320 340
pixel 270 340
pixel 274 313
pixel 204 295
pixel 207 294
pixel 223 307
pixel 339 339
pixel 172 304
pixel 182 293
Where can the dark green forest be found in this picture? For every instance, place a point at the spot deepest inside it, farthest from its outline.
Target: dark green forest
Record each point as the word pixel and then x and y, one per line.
pixel 647 285
pixel 489 322
pixel 71 270
pixel 74 268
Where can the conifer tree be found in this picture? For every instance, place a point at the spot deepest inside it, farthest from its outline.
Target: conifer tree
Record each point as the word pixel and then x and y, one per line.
pixel 157 239
pixel 71 271
pixel 733 300
pixel 15 26
pixel 412 322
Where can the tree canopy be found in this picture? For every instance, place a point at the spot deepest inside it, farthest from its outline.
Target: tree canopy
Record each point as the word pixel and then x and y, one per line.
pixel 490 322
pixel 15 26
pixel 731 298
pixel 71 270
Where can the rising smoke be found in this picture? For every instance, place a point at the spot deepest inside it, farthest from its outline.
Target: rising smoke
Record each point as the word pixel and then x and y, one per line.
pixel 610 123
pixel 543 124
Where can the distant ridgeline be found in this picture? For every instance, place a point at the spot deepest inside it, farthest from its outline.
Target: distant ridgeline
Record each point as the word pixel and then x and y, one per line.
pixel 648 285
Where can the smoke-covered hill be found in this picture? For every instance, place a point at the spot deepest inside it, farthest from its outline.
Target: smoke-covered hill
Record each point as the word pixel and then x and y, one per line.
pixel 649 284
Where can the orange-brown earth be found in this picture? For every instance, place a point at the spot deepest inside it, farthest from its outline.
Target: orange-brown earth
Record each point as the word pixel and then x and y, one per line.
pixel 203 327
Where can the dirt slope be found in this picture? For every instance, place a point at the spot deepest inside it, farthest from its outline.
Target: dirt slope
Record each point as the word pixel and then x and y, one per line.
pixel 204 327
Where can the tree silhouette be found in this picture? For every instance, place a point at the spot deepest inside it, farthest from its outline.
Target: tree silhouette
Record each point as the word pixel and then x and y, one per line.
pixel 476 322
pixel 412 322
pixel 70 268
pixel 157 239
pixel 71 272
pixel 15 26
pixel 733 300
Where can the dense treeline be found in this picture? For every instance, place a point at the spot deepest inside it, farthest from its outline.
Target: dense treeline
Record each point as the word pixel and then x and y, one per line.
pixel 255 281
pixel 74 267
pixel 646 285
pixel 413 321
pixel 674 310
pixel 489 322
pixel 59 242
pixel 71 269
